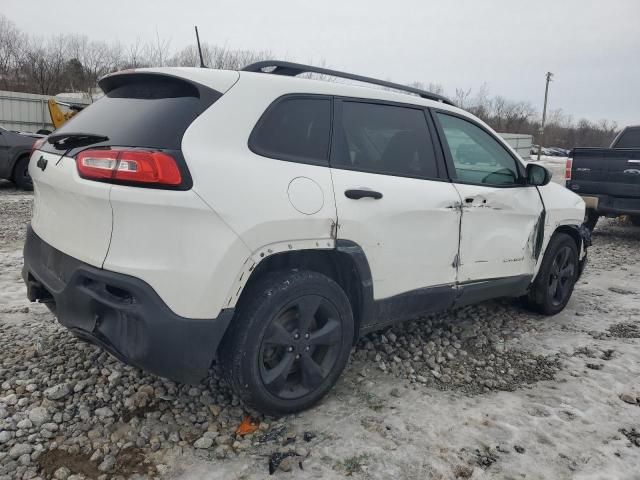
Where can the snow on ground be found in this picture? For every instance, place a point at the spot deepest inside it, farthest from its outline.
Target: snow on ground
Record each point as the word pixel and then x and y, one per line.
pixel 489 391
pixel 555 164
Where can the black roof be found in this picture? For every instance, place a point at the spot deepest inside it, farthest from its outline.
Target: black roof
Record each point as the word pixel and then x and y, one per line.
pixel 293 69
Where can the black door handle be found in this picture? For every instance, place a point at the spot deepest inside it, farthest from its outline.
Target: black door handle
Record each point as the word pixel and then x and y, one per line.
pixel 356 194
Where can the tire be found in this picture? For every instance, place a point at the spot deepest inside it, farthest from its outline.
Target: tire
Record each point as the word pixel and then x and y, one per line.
pixel 590 219
pixel 278 356
pixel 21 175
pixel 553 286
pixel 635 220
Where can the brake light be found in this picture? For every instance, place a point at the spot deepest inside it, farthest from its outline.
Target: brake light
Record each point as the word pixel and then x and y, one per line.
pixel 567 171
pixel 136 166
pixel 37 144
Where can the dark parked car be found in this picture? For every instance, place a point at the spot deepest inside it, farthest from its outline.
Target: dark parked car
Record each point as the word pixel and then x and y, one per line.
pixel 558 152
pixel 15 149
pixel 608 179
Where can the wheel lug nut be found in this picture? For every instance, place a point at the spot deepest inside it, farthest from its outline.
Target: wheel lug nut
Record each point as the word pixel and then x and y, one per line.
pixel 307 348
pixel 297 356
pixel 290 349
pixel 306 335
pixel 296 336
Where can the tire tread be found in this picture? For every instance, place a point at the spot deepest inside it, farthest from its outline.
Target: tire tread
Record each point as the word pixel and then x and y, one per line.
pixel 231 355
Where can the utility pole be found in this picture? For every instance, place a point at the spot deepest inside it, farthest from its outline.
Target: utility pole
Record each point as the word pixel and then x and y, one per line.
pixel 544 113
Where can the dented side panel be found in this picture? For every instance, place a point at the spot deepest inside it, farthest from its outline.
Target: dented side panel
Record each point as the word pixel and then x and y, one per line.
pixel 563 208
pixel 409 236
pixel 500 229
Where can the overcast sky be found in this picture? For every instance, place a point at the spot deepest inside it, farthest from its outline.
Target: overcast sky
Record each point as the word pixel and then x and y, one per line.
pixel 592 46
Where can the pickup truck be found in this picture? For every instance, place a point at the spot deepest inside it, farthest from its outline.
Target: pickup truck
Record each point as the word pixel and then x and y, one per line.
pixel 608 179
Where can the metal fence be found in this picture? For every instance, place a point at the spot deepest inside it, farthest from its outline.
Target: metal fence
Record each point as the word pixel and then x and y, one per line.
pixel 24 111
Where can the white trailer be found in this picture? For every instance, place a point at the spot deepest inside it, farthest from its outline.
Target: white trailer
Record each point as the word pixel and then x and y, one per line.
pixel 520 142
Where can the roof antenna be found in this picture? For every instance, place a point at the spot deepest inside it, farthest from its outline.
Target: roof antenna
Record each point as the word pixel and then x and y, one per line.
pixel 199 49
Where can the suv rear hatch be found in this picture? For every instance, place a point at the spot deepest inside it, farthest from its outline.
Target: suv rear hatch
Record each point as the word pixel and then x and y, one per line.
pixel 142 111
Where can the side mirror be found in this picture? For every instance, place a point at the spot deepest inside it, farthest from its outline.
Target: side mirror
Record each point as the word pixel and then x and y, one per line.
pixel 537 175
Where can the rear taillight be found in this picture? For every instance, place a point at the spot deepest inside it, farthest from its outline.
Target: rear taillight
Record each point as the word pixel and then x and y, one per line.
pixel 135 166
pixel 567 171
pixel 37 144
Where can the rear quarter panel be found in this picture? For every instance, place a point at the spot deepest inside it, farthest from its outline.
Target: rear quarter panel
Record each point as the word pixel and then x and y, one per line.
pixel 173 241
pixel 248 191
pixel 251 193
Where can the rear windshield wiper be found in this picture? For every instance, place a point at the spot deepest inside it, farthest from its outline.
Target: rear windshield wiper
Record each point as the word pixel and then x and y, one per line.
pixel 67 141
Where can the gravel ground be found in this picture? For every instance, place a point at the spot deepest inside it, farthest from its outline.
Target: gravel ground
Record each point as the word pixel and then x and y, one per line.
pixel 488 391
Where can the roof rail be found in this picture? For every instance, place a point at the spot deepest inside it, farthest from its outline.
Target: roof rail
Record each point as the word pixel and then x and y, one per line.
pixel 293 69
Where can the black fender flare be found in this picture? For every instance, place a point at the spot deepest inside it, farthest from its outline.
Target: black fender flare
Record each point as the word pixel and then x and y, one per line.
pixel 367 304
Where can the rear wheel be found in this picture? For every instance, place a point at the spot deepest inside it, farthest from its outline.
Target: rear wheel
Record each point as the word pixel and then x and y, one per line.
pixel 289 341
pixel 21 175
pixel 635 220
pixel 591 218
pixel 557 276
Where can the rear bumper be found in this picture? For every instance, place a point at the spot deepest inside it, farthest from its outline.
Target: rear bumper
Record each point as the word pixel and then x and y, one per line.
pixel 122 314
pixel 608 205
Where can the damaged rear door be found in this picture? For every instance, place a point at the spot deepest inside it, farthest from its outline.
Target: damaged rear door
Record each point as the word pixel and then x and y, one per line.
pixel 501 217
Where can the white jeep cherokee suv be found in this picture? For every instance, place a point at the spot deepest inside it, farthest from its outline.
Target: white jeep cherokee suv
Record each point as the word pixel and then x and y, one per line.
pixel 270 221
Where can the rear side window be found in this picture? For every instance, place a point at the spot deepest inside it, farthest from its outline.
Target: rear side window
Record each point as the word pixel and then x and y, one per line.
pixel 143 110
pixel 295 129
pixel 630 138
pixel 384 139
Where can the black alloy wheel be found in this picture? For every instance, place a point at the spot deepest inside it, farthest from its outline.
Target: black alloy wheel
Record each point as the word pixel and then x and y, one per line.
pixel 562 276
pixel 288 342
pixel 552 288
pixel 301 347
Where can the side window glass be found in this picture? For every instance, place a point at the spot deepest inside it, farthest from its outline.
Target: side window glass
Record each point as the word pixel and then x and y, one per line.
pixel 295 129
pixel 384 139
pixel 477 156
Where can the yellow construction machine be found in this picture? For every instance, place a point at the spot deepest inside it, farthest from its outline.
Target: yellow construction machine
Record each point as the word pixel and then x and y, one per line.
pixel 58 116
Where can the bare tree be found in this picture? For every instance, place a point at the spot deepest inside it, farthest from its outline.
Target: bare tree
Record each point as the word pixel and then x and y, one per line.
pixel 462 96
pixel 11 40
pixel 44 62
pixel 76 63
pixel 217 57
pixel 157 53
pixel 135 57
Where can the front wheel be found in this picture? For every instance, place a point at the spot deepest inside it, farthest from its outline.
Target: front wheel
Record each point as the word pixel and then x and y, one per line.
pixel 289 341
pixel 557 276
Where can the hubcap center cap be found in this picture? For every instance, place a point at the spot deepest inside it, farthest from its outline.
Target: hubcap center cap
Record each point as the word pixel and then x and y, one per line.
pixel 299 344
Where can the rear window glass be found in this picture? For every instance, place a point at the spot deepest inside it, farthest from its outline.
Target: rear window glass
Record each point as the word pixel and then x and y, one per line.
pixel 295 129
pixel 385 139
pixel 142 110
pixel 629 139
